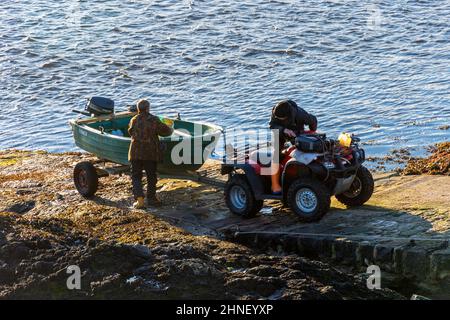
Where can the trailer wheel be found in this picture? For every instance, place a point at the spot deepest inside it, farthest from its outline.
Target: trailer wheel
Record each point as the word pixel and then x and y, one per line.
pixel 309 199
pixel 85 179
pixel 240 199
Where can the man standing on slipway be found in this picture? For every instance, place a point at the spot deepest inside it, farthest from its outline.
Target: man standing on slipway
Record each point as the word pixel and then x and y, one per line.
pixel 145 152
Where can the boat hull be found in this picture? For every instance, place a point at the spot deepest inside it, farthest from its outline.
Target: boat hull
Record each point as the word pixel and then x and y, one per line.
pixel 181 154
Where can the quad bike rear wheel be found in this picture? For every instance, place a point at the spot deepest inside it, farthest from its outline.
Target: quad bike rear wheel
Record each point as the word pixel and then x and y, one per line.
pixel 240 199
pixel 360 191
pixel 85 178
pixel 309 199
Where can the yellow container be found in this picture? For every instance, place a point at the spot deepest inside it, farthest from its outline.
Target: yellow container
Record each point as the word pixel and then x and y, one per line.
pixel 167 121
pixel 345 139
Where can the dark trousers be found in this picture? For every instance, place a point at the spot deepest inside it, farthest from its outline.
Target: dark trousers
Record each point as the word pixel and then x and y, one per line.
pixel 137 166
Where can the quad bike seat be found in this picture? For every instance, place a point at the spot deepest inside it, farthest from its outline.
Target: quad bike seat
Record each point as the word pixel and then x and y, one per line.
pixel 262 157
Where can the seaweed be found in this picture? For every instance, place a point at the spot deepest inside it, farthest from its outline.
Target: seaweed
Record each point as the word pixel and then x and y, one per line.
pixel 438 163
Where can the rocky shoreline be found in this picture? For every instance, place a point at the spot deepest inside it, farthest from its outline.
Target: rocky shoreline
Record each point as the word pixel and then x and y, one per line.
pixel 403 162
pixel 438 163
pixel 45 226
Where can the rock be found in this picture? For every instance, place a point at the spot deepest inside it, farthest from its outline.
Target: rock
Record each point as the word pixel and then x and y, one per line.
pixel 107 283
pixel 141 250
pixel 344 251
pixel 15 251
pixel 42 267
pixel 2 238
pixel 265 286
pixel 383 254
pixel 154 286
pixel 142 269
pixel 22 207
pixel 440 265
pixel 264 271
pixel 314 247
pixel 196 268
pixel 7 274
pixel 364 253
pixel 419 297
pixel 397 257
pixel 10 237
pixel 43 244
pixel 24 192
pixel 415 262
pixel 92 242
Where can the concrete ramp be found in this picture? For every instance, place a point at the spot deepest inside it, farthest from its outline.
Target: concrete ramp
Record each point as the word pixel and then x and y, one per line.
pixel 404 229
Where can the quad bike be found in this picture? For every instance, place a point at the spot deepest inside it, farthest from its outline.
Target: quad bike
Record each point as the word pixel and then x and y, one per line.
pixel 313 168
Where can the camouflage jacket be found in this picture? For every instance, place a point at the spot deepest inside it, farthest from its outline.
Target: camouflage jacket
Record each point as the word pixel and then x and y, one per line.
pixel 144 130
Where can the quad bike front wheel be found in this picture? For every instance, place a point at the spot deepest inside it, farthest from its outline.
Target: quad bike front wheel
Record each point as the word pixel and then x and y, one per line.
pixel 240 199
pixel 85 178
pixel 309 199
pixel 360 191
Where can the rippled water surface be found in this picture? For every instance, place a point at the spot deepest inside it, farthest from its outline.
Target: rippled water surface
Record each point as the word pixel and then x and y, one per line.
pixel 377 68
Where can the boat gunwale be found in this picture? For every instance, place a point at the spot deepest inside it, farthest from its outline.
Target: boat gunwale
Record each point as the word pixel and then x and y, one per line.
pixel 82 124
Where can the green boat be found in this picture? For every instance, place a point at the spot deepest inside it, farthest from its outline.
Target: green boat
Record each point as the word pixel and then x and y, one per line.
pixel 107 138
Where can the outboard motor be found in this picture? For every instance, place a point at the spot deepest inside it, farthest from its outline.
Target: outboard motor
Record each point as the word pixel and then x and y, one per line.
pixel 100 106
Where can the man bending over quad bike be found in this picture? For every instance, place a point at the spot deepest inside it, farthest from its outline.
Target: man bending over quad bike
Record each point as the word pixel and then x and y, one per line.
pixel 290 120
pixel 313 168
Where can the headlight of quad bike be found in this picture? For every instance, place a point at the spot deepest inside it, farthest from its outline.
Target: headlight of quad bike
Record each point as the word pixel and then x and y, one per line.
pixel 345 139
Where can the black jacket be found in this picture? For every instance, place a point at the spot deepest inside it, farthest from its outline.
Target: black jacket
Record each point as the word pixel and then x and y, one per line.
pixel 296 121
